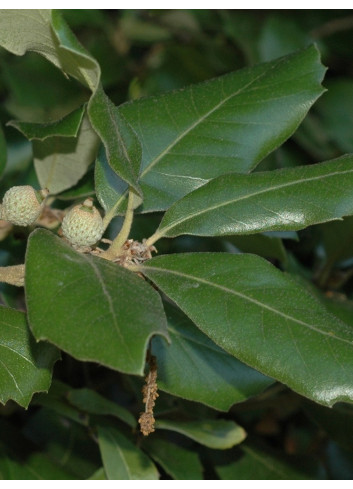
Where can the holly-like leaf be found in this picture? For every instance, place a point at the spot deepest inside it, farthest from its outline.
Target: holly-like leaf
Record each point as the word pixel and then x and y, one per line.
pixel 91 308
pixel 195 368
pixel 228 124
pixel 263 317
pixel 122 460
pixel 68 126
pixel 212 433
pixel 25 366
pixel 286 199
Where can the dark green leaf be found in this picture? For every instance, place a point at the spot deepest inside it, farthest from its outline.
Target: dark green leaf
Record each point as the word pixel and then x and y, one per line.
pixel 286 199
pixel 212 433
pixel 179 463
pixel 64 441
pixel 91 308
pixel 39 466
pixel 60 162
pixel 121 459
pixel 122 146
pixel 263 317
pixel 259 465
pixel 91 402
pixel 25 366
pixel 195 368
pixel 68 126
pixel 228 124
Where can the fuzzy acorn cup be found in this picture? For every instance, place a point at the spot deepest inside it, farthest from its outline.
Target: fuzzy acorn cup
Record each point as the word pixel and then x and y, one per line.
pixel 22 205
pixel 83 225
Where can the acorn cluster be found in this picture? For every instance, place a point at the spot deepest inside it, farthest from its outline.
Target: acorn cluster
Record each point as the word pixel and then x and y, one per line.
pixel 82 226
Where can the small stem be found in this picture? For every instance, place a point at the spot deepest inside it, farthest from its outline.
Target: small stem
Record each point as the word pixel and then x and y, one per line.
pixel 154 238
pixel 112 212
pixel 123 235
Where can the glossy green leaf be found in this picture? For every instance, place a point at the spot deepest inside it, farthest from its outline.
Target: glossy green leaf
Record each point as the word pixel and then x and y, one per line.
pixel 286 199
pixel 260 465
pixel 60 162
pixel 3 151
pixel 212 433
pixel 45 32
pixel 68 126
pixel 263 317
pixel 228 124
pixel 122 146
pixel 25 366
pixel 91 308
pixel 91 402
pixel 195 368
pixel 122 459
pixel 178 462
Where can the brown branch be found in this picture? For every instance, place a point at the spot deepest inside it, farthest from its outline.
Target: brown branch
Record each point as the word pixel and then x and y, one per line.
pixel 150 395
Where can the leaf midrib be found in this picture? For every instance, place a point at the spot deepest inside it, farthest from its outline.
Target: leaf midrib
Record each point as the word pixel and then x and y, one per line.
pixel 246 298
pixel 162 231
pixel 110 305
pixel 201 119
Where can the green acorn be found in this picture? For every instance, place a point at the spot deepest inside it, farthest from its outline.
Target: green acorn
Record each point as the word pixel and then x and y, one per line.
pixel 23 205
pixel 83 225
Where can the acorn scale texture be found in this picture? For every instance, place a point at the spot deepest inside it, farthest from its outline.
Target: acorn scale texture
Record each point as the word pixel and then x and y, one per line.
pixel 83 226
pixel 22 205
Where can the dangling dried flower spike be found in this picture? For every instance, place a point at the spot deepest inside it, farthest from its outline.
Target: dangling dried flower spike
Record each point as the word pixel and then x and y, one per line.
pixel 150 395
